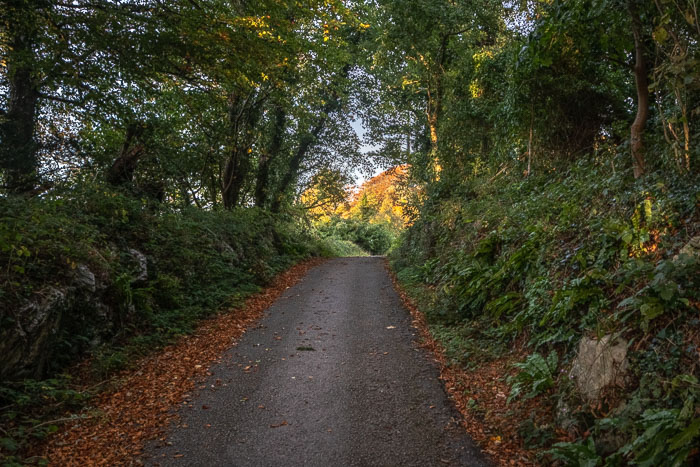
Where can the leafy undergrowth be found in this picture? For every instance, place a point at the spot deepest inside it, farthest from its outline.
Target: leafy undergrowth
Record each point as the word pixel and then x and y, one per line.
pixel 375 239
pixel 511 274
pixel 137 405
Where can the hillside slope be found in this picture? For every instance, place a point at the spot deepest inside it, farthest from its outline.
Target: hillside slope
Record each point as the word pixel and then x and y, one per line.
pixel 595 278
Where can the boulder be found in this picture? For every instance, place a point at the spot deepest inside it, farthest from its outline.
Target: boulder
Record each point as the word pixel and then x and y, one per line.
pixel 141 261
pixel 600 363
pixel 23 346
pixel 82 306
pixel 230 254
pixel 564 417
pixel 84 279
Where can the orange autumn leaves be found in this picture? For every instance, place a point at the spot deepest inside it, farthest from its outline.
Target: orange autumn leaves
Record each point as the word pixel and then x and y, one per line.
pixel 381 200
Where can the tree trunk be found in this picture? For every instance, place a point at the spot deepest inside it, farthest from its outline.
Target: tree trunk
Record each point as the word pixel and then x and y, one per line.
pixel 641 81
pixel 433 114
pixel 122 170
pixel 244 115
pixel 235 173
pixel 18 148
pixel 434 107
pixel 263 179
pixel 686 128
pixel 529 141
pixel 432 125
pixel 292 172
pixel 307 141
pixel 213 189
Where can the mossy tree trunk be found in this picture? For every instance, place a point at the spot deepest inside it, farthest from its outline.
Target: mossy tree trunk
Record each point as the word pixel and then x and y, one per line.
pixel 18 148
pixel 272 153
pixel 642 84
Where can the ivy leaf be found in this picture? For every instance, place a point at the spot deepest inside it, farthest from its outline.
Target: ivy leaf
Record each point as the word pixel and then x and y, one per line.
pixel 690 17
pixel 627 237
pixel 660 34
pixel 666 289
pixel 651 310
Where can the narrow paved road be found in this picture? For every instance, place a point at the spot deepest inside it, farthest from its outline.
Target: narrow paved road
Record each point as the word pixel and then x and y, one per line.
pixel 329 377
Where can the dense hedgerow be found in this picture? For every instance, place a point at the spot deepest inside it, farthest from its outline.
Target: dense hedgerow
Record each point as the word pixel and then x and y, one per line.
pixel 198 261
pixel 373 238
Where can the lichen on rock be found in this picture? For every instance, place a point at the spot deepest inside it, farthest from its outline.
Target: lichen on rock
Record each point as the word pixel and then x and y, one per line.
pixel 600 363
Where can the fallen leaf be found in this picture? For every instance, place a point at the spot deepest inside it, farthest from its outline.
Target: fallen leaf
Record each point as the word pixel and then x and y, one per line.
pixel 284 423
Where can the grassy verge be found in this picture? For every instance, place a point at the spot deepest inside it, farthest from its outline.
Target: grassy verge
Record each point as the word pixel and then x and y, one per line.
pixel 334 246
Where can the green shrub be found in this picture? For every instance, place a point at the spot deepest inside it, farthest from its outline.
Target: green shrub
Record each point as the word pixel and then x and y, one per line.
pixel 582 454
pixel 198 261
pixel 25 403
pixel 373 238
pixel 336 247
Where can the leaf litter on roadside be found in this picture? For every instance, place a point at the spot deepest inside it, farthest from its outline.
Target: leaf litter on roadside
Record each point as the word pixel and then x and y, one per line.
pixel 140 407
pixel 479 393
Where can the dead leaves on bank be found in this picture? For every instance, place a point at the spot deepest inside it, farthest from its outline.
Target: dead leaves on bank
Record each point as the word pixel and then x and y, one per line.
pixel 141 407
pixel 480 395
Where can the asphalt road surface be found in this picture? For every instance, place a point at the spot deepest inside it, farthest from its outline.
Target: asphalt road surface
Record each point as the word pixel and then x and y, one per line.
pixel 330 376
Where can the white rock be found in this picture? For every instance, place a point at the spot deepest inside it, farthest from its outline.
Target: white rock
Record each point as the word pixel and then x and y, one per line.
pixel 142 264
pixel 692 248
pixel 84 278
pixel 599 364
